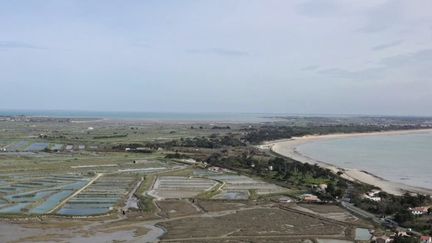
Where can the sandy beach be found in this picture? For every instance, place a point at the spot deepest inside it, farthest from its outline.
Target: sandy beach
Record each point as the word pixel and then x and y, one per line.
pixel 288 148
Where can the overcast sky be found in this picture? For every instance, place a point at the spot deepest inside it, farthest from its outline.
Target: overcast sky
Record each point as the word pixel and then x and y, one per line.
pixel 333 57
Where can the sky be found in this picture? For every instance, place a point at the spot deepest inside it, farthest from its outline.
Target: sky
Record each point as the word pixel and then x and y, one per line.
pixel 299 56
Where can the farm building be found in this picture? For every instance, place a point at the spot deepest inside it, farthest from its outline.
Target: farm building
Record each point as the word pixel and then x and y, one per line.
pixel 310 198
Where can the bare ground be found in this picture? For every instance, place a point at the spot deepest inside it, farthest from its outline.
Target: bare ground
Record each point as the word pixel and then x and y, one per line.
pixel 176 208
pixel 260 222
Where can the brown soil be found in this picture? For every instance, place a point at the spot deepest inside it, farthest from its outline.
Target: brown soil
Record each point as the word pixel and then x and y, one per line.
pixel 217 205
pixel 325 208
pixel 176 208
pixel 266 222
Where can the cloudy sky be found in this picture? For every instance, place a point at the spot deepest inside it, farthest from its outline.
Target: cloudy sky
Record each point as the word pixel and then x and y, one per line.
pixel 319 57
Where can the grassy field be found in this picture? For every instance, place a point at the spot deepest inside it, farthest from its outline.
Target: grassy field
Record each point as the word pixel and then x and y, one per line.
pixel 103 132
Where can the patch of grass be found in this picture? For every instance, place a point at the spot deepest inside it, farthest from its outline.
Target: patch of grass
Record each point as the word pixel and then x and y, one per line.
pixel 307 179
pixel 293 193
pixel 146 184
pixel 183 172
pixel 145 202
pixel 253 194
pixel 211 193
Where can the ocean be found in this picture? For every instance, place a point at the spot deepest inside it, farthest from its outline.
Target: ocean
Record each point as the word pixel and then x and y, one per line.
pixel 400 158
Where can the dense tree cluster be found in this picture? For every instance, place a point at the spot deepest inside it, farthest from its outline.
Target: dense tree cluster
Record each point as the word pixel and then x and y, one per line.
pixel 110 136
pixel 285 171
pixel 211 142
pixel 122 147
pixel 256 135
pixel 391 205
pixel 221 127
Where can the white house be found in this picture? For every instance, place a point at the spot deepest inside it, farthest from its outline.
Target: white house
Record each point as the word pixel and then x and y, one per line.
pixel 419 210
pixel 373 195
pixel 310 198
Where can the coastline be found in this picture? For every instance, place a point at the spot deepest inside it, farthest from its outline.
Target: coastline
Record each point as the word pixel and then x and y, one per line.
pixel 288 148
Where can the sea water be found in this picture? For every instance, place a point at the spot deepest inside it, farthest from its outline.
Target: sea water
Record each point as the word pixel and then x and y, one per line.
pixel 403 158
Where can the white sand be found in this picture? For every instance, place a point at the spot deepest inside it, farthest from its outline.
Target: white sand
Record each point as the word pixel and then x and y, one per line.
pixel 288 147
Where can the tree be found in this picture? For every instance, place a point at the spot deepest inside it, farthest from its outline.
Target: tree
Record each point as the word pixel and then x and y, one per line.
pixel 403 216
pixel 405 239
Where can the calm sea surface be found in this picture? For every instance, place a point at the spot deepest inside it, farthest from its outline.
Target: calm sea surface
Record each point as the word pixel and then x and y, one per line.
pixel 400 158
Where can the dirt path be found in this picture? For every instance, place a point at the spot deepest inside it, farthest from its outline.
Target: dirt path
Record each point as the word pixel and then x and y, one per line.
pixel 197 208
pixel 132 201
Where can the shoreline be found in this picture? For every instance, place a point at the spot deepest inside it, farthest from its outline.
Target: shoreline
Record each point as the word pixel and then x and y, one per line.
pixel 288 148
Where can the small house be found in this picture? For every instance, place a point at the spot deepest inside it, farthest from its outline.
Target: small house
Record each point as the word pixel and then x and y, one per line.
pixel 419 210
pixel 323 187
pixel 372 198
pixel 373 195
pixel 425 239
pixel 310 198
